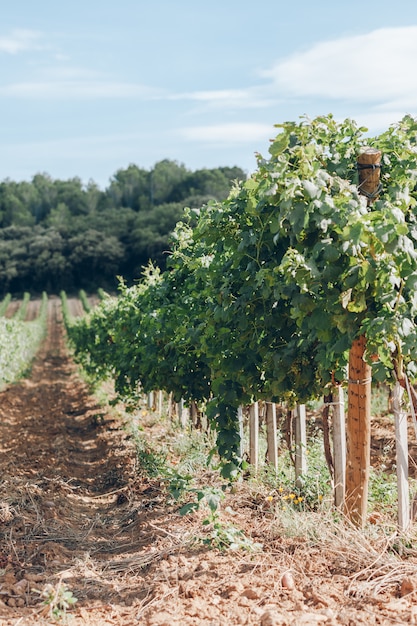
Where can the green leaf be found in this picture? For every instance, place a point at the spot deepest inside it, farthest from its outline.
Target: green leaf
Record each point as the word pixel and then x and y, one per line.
pixel 275 225
pixel 191 507
pixel 213 500
pixel 279 144
pixel 358 304
pixel 311 189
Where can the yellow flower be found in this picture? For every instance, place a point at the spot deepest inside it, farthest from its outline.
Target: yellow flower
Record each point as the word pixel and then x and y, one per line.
pixel 292 496
pixel 281 489
pixel 320 498
pixel 300 499
pixel 269 498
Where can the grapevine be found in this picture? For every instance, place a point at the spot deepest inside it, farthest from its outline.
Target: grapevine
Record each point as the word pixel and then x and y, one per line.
pixel 265 293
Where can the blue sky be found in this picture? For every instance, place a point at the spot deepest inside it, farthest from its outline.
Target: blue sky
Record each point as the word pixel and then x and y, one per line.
pixel 88 87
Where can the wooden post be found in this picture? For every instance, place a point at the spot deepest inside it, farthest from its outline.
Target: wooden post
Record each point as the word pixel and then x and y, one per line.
pixel 339 446
pixel 271 434
pixel 254 435
pixel 241 431
pixel 401 446
pixel 300 443
pixel 151 401
pixel 358 458
pixel 171 407
pixel 369 169
pixel 160 403
pixel 183 414
pixel 194 415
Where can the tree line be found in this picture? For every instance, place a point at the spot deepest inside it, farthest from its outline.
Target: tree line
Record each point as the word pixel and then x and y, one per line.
pixel 62 234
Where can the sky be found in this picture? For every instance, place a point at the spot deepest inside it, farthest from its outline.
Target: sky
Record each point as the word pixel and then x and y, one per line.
pixel 89 87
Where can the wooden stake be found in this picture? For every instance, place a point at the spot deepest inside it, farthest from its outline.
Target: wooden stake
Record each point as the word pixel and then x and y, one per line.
pixel 358 458
pixel 271 435
pixel 339 446
pixel 369 169
pixel 241 432
pixel 401 445
pixel 183 413
pixel 300 443
pixel 171 407
pixel 254 435
pixel 160 403
pixel 151 400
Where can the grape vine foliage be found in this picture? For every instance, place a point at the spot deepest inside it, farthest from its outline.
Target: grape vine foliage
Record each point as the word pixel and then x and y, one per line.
pixel 265 292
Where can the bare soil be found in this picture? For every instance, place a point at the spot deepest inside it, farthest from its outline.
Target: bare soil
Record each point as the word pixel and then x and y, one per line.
pixel 75 511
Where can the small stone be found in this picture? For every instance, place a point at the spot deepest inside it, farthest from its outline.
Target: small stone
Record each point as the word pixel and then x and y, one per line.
pixel 34 578
pixel 203 566
pixel 21 587
pixel 273 618
pixel 251 593
pixel 232 589
pixel 287 581
pixel 408 586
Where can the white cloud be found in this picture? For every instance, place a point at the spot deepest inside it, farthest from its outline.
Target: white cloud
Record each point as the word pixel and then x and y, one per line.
pixel 228 133
pixel 61 72
pixel 19 40
pixel 249 98
pixel 72 89
pixel 374 67
pixel 215 95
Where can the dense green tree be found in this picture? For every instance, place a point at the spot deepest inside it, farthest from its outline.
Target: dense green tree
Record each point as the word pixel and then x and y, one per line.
pixel 94 258
pixel 13 207
pixel 48 261
pixel 62 234
pixel 73 195
pixel 44 198
pixel 212 184
pixel 129 188
pixel 150 237
pixel 164 178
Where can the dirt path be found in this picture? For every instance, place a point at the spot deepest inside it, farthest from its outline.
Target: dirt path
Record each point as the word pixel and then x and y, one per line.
pixel 74 511
pixel 64 467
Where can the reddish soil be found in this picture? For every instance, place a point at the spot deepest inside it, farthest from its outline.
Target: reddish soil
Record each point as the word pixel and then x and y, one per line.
pixel 75 510
pixel 13 308
pixel 32 310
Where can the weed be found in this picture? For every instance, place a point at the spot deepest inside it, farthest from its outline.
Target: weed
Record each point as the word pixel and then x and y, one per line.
pixel 151 462
pixel 225 536
pixel 310 490
pixel 58 599
pixel 219 534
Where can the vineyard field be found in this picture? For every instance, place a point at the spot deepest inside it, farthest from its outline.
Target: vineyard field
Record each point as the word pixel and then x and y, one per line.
pixel 85 510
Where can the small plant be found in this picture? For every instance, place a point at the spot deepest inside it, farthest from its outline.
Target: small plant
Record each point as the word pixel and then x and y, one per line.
pixel 383 493
pixel 208 496
pixel 150 462
pixel 220 535
pixel 58 599
pixel 225 536
pixel 178 485
pixel 309 491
